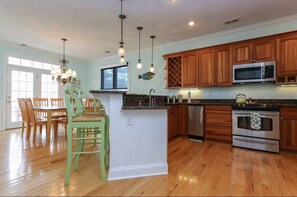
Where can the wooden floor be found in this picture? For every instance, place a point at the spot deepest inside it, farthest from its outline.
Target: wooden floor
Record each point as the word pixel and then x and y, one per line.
pixel 194 169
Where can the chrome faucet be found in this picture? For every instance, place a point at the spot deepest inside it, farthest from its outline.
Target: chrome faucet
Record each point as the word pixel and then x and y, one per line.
pixel 150 96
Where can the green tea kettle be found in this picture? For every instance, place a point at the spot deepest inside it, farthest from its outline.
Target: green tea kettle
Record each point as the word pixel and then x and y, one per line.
pixel 240 99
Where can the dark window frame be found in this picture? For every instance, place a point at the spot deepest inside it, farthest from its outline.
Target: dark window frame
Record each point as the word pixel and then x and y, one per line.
pixel 114 77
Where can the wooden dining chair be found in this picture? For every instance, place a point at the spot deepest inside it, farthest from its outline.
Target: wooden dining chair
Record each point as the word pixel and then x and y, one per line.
pixel 24 114
pixel 92 104
pixel 84 134
pixel 33 120
pixel 60 117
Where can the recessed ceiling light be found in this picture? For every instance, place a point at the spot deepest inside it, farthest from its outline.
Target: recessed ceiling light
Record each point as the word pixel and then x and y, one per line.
pixel 106 51
pixel 173 0
pixel 191 23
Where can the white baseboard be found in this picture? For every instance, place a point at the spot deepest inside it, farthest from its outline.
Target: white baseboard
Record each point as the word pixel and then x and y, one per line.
pixel 137 171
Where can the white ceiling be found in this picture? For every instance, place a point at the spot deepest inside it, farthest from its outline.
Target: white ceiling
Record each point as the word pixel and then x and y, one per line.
pixel 93 26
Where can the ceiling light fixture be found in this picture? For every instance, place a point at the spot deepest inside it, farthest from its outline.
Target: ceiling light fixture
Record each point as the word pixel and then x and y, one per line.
pixel 191 23
pixel 63 74
pixel 121 51
pixel 139 65
pixel 152 69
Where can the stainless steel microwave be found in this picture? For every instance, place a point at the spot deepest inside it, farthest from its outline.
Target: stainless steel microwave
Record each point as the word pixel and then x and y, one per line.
pixel 254 72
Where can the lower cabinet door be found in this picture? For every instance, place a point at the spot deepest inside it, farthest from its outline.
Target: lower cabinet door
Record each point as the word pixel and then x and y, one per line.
pixel 218 132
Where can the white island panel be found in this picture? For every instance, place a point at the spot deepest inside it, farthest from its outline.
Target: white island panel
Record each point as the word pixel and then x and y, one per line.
pixel 138 139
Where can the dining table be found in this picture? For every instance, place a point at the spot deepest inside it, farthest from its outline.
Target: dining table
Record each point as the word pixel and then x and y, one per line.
pixel 50 110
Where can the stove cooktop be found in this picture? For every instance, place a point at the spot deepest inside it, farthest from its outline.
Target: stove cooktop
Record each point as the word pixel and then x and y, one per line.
pixel 256 106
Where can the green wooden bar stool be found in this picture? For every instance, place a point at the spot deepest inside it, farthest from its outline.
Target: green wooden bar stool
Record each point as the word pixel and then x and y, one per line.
pixel 88 128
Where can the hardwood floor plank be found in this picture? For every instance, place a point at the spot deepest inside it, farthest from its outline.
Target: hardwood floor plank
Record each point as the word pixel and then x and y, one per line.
pixel 195 169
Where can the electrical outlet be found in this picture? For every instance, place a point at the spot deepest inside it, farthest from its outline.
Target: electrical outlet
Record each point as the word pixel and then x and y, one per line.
pixel 129 121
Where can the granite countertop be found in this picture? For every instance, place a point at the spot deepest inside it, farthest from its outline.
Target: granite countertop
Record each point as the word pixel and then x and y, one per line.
pixel 143 107
pixel 108 91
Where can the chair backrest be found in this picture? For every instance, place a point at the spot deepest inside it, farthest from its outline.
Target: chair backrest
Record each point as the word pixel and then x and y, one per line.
pixel 40 102
pixel 92 105
pixel 30 111
pixel 73 100
pixel 57 102
pixel 23 109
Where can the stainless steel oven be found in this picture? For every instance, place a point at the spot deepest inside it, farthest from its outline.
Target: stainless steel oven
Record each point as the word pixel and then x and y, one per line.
pixel 265 137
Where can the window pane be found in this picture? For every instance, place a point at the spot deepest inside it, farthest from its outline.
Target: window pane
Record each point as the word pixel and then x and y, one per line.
pixel 37 64
pixel 122 78
pixel 108 78
pixel 14 61
pixel 27 63
pixel 47 66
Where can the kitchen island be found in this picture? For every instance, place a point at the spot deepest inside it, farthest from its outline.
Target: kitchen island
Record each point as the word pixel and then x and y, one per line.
pixel 138 137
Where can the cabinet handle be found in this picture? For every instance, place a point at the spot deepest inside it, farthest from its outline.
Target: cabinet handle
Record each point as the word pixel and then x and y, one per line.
pixel 282 118
pixel 218 109
pixel 251 61
pixel 254 60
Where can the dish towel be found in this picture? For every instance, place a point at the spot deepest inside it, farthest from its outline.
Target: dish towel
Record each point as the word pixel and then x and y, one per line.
pixel 255 120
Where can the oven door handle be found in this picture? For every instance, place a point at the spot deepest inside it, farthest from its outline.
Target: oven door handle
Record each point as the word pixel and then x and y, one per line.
pixel 256 142
pixel 261 114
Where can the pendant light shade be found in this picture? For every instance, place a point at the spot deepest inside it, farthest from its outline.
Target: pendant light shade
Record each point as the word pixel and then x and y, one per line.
pixel 152 69
pixel 139 65
pixel 121 50
pixel 122 60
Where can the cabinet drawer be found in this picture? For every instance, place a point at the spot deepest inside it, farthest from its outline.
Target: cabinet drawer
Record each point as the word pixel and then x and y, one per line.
pixel 217 108
pixel 286 111
pixel 223 118
pixel 219 133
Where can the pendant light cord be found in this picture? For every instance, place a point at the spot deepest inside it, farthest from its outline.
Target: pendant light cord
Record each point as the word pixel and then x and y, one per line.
pixel 122 21
pixel 139 46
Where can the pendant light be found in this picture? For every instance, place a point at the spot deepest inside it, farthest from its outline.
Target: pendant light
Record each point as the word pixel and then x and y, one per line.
pixel 152 69
pixel 139 65
pixel 121 50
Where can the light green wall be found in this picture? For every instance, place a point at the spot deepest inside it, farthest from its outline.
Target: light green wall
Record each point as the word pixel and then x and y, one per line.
pixel 158 82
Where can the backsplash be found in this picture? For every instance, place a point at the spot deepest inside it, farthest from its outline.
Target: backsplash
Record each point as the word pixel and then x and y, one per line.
pixel 143 100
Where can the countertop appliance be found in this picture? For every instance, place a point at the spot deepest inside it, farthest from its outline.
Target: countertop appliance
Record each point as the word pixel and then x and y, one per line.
pixel 264 137
pixel 195 122
pixel 254 72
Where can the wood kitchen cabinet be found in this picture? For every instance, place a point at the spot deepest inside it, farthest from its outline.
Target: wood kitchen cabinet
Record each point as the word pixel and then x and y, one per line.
pixel 287 55
pixel 177 119
pixel 223 66
pixel 183 120
pixel 218 122
pixel 189 70
pixel 258 50
pixel 206 67
pixel 172 121
pixel 215 67
pixel 288 129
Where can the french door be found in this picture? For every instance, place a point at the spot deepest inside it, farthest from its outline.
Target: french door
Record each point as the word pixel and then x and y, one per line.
pixel 23 82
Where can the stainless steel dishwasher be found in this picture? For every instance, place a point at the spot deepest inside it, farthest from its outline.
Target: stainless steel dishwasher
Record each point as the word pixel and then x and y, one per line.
pixel 195 122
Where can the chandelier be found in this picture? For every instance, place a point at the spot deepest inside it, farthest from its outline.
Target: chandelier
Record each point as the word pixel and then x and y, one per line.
pixel 121 50
pixel 63 74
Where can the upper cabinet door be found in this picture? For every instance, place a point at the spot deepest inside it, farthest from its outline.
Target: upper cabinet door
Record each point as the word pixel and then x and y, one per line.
pixel 206 67
pixel 189 70
pixel 242 53
pixel 264 50
pixel 287 55
pixel 223 66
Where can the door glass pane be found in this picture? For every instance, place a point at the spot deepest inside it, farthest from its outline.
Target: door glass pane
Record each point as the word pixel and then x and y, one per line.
pixel 21 87
pixel 122 76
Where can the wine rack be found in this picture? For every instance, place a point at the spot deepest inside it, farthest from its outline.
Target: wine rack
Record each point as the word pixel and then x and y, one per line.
pixel 174 72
